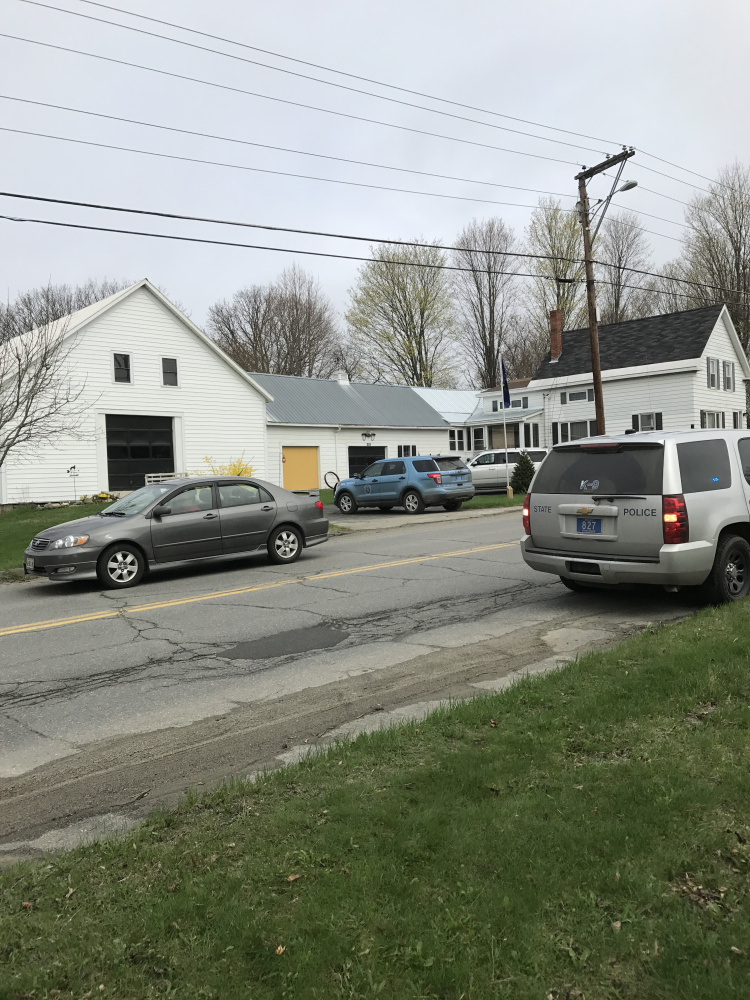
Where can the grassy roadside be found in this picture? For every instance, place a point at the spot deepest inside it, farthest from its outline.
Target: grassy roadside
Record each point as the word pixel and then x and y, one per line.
pixel 585 833
pixel 18 527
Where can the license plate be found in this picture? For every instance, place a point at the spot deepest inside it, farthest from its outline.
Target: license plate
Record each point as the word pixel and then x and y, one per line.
pixel 459 479
pixel 29 564
pixel 589 525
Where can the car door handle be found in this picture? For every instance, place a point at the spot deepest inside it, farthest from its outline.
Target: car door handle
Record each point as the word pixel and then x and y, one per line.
pixel 374 480
pixel 267 507
pixel 208 517
pixel 402 477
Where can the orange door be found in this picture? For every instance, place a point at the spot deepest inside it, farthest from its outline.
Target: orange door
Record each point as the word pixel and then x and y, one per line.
pixel 300 468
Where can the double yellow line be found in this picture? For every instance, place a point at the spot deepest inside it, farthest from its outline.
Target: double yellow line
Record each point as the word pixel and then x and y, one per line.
pixel 217 594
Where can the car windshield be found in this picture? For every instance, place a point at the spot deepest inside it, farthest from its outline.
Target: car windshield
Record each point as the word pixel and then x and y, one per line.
pixel 139 500
pixel 625 469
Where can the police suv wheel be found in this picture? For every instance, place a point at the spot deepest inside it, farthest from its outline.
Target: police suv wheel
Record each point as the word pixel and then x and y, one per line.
pixel 729 579
pixel 346 503
pixel 413 502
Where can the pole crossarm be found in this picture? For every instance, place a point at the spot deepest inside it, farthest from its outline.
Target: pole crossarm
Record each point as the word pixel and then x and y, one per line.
pixel 588 172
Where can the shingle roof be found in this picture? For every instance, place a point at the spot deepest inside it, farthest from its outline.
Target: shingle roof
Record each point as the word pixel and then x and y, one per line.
pixel 322 401
pixel 649 341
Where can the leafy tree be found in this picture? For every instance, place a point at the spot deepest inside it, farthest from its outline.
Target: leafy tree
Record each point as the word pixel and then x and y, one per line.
pixel 401 318
pixel 523 473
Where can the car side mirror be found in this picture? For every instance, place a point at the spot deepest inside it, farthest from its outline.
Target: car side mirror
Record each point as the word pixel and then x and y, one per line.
pixel 160 511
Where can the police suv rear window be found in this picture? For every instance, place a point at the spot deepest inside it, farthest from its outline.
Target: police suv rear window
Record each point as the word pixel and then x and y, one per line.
pixel 451 464
pixel 704 465
pixel 606 471
pixel 425 465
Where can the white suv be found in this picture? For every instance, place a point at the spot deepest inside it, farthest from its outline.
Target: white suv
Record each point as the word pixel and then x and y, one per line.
pixel 489 471
pixel 670 508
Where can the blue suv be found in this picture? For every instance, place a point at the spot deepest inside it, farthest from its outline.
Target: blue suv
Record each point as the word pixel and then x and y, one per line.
pixel 412 483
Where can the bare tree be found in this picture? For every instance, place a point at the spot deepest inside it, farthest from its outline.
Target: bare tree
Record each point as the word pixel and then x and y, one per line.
pixel 555 234
pixel 485 292
pixel 401 316
pixel 286 328
pixel 622 248
pixel 716 249
pixel 525 347
pixel 41 306
pixel 40 390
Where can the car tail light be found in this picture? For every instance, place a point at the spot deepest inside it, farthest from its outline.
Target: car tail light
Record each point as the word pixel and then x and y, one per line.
pixel 319 505
pixel 436 476
pixel 526 518
pixel 675 517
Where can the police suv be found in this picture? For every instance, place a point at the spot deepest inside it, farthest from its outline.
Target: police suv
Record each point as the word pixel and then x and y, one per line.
pixel 669 508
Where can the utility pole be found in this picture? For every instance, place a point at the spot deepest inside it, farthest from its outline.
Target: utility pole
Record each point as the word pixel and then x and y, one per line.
pixel 588 240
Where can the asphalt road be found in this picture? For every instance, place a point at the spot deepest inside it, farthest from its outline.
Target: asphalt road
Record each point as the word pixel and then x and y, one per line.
pixel 112 702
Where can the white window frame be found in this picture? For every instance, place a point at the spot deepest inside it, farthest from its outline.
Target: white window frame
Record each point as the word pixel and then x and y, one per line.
pixel 407 450
pixel 579 396
pixel 161 370
pixel 129 356
pixel 712 419
pixel 477 438
pixel 647 418
pixel 712 373
pixel 737 420
pixel 727 370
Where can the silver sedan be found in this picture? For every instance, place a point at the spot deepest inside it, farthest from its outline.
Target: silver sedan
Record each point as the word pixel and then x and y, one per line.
pixel 175 520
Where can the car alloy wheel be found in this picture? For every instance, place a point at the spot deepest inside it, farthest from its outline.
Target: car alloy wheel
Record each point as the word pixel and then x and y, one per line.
pixel 413 503
pixel 346 503
pixel 286 544
pixel 122 567
pixel 736 573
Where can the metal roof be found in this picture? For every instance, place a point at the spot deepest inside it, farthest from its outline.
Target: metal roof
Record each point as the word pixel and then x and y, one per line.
pixel 304 401
pixel 512 416
pixel 454 405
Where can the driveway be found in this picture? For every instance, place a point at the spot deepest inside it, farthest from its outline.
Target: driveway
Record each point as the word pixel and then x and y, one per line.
pixel 114 702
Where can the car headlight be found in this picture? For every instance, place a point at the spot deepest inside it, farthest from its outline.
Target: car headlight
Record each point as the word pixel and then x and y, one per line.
pixel 69 542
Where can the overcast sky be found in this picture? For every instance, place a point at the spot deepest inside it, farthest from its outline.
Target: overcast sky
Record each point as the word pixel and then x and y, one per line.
pixel 670 77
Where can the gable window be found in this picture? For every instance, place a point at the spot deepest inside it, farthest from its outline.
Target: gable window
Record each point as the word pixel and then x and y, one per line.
pixel 711 419
pixel 574 397
pixel 728 367
pixel 169 371
pixel 122 368
pixel 406 450
pixel 494 406
pixel 647 421
pixel 712 373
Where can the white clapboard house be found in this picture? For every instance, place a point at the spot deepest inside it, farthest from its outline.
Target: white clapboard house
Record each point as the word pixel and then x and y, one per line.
pixel 158 397
pixel 674 372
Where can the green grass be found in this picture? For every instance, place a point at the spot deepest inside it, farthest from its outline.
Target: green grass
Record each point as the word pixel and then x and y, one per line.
pixel 485 501
pixel 584 833
pixel 18 527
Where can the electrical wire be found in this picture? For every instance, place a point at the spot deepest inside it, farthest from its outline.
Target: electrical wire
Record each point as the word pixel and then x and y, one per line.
pixel 265 170
pixel 282 100
pixel 351 76
pixel 306 253
pixel 349 236
pixel 355 76
pixel 305 76
pixel 280 149
pixel 284 173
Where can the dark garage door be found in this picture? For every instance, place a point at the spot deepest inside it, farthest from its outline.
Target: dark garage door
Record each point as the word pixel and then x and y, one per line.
pixel 137 446
pixel 360 458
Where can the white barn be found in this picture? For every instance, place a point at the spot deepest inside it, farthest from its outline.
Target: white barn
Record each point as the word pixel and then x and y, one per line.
pixel 159 397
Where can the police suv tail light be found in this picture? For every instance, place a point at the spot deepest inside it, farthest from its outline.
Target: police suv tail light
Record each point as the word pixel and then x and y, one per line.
pixel 436 476
pixel 675 518
pixel 526 510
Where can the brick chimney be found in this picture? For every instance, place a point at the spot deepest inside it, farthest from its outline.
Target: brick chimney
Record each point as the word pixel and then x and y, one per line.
pixel 555 334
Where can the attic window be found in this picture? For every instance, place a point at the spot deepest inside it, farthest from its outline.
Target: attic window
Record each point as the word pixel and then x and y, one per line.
pixel 169 371
pixel 122 368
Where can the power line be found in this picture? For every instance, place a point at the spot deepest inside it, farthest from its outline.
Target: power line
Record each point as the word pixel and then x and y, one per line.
pixel 282 100
pixel 351 76
pixel 355 76
pixel 311 177
pixel 281 149
pixel 348 236
pixel 305 76
pixel 263 170
pixel 306 253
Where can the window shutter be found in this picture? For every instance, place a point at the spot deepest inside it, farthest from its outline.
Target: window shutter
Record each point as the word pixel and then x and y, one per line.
pixel 590 395
pixel 703 418
pixel 554 434
pixel 708 373
pixel 723 423
pixel 659 426
pixel 733 386
pixel 636 422
pixel 563 397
